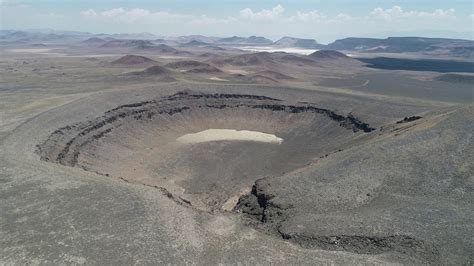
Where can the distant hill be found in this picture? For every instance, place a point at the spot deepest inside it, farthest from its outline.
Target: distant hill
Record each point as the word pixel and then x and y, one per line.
pixel 192 66
pixel 143 45
pixel 251 59
pixel 208 55
pixel 162 73
pixel 252 40
pixel 94 41
pixel 156 70
pixel 362 44
pixel 463 51
pixel 271 61
pixel 406 44
pixel 295 59
pixel 153 71
pixel 13 36
pixel 435 47
pixel 130 36
pixel 328 55
pixel 187 64
pixel 297 42
pixel 163 48
pixel 190 38
pixel 215 48
pixel 132 60
pixel 195 43
pixel 127 44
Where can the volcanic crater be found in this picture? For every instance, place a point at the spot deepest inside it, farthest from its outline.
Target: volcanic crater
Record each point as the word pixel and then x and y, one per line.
pixel 140 143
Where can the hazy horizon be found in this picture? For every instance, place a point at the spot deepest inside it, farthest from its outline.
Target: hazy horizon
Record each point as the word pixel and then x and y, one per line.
pixel 324 22
pixel 453 35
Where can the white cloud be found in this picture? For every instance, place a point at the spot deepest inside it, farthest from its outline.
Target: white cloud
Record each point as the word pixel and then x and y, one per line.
pixel 263 14
pixel 309 16
pixel 391 15
pixel 114 12
pixel 144 16
pixel 276 22
pixel 137 15
pixel 89 13
pixel 316 17
pixel 397 13
pixel 343 17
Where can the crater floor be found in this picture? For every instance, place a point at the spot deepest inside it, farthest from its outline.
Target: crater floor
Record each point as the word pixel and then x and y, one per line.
pixel 228 135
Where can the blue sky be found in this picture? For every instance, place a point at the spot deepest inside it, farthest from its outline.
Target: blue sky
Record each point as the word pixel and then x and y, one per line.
pixel 322 20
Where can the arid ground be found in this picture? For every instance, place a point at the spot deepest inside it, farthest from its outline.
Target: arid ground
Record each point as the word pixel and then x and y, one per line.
pixel 136 153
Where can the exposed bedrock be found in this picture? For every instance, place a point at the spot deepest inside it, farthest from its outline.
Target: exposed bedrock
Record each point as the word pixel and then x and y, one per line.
pixel 273 217
pixel 404 193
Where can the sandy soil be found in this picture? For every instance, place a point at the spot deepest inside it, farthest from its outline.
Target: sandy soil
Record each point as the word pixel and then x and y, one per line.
pixel 217 79
pixel 228 134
